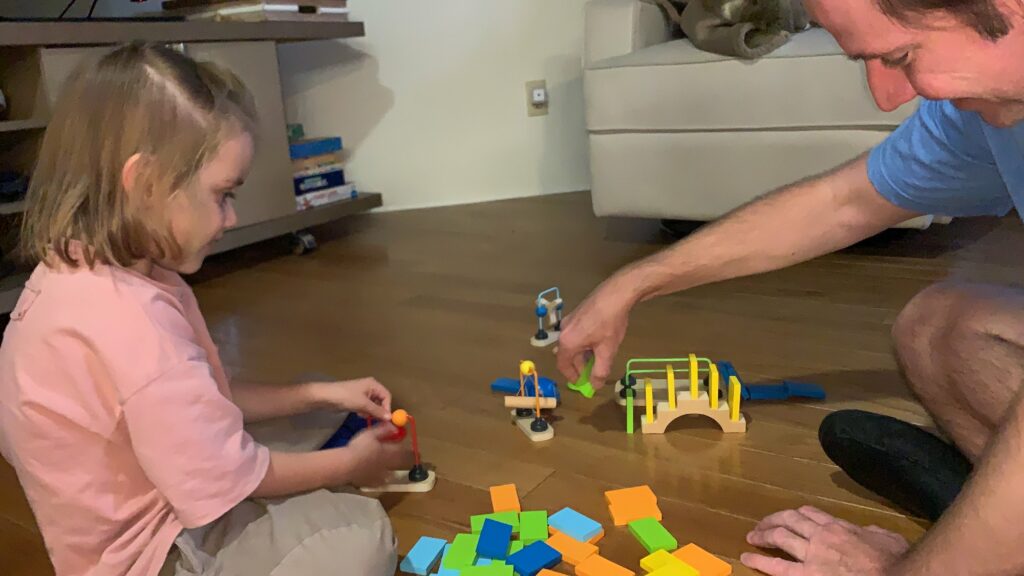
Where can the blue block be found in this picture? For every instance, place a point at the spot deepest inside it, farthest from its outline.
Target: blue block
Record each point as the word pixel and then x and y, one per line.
pixel 534 558
pixel 495 538
pixel 423 556
pixel 441 570
pixel 313 147
pixel 352 425
pixel 548 388
pixel 575 525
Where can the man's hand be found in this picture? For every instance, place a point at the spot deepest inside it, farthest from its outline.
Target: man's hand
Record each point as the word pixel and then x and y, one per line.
pixel 598 325
pixel 822 545
pixel 365 396
pixel 371 458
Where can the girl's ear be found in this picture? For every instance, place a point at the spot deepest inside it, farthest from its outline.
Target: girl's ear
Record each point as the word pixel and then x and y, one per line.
pixel 130 175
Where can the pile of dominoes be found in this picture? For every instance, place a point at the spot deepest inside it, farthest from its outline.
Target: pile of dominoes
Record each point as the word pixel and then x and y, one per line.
pixel 511 541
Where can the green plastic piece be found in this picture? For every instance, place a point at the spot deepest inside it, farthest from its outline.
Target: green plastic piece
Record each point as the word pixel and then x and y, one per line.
pixel 462 553
pixel 629 411
pixel 488 570
pixel 652 535
pixel 515 546
pixel 583 385
pixel 533 526
pixel 476 523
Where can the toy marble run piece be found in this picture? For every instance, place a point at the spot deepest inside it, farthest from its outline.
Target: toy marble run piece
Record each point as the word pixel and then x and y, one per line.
pixel 583 385
pixel 527 408
pixel 662 403
pixel 552 310
pixel 418 478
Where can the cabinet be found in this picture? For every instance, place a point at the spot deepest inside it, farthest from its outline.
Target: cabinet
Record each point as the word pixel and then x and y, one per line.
pixel 36 59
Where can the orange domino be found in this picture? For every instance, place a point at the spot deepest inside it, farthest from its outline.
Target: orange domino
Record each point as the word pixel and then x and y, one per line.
pixel 598 565
pixel 573 551
pixel 637 493
pixel 546 572
pixel 703 561
pixel 505 498
pixel 597 538
pixel 624 513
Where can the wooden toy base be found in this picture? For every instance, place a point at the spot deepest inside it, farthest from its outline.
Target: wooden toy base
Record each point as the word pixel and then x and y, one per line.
pixel 400 483
pixel 524 425
pixel 685 405
pixel 551 339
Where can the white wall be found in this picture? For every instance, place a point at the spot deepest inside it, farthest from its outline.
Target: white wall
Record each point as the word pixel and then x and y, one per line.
pixel 432 101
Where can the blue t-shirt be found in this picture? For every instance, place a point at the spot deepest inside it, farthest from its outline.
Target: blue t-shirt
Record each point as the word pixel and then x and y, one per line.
pixel 948 162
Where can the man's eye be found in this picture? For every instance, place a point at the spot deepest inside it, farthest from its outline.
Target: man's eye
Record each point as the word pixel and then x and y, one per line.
pixel 897 62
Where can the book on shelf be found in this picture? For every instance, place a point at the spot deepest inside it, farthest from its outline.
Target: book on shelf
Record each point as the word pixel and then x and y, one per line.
pixel 250 10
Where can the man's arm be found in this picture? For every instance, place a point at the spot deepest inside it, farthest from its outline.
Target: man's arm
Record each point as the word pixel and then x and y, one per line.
pixel 982 531
pixel 794 224
pixel 788 226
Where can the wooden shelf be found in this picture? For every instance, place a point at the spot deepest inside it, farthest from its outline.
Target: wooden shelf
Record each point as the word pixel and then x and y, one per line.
pixel 22 125
pixel 7 208
pixel 300 220
pixel 10 290
pixel 79 33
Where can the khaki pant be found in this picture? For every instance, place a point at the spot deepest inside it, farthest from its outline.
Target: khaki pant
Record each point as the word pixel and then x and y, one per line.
pixel 312 534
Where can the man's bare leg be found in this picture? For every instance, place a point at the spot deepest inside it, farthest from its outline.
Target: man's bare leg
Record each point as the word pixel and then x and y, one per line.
pixel 961 347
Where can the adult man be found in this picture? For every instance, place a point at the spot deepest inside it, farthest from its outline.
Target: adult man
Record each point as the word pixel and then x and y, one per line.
pixel 961 154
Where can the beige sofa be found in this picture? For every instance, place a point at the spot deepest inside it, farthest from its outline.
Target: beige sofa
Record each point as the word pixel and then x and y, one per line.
pixel 679 133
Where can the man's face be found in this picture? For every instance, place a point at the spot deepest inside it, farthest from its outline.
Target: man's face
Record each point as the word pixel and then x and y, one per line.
pixel 938 59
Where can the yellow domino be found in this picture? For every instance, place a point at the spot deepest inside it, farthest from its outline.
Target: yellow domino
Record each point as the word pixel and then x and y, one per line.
pixel 649 396
pixel 693 377
pixel 734 399
pixel 670 376
pixel 713 387
pixel 656 560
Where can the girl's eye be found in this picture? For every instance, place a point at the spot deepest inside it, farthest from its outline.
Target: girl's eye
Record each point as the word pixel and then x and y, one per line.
pixel 225 197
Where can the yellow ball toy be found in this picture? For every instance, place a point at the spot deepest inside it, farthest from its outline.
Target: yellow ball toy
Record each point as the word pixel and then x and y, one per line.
pixel 526 368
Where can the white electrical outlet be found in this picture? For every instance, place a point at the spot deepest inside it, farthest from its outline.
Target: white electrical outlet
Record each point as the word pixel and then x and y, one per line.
pixel 536 98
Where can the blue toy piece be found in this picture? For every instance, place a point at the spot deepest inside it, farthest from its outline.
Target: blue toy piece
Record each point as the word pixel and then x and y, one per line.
pixel 548 388
pixel 787 389
pixel 534 558
pixel 349 428
pixel 441 570
pixel 575 525
pixel 495 538
pixel 423 556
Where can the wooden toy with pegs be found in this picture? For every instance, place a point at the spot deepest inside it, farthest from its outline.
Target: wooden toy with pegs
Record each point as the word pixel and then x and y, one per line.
pixel 552 310
pixel 418 478
pixel 526 409
pixel 663 403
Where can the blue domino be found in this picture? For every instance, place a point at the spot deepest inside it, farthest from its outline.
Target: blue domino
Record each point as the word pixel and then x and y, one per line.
pixel 423 556
pixel 534 558
pixel 441 570
pixel 495 538
pixel 575 525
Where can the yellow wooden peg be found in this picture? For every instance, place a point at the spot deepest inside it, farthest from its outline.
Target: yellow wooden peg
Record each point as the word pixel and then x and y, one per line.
pixel 693 377
pixel 670 376
pixel 713 387
pixel 734 398
pixel 649 396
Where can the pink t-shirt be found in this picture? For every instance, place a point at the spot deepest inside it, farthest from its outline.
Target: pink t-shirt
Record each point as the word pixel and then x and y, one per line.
pixel 116 413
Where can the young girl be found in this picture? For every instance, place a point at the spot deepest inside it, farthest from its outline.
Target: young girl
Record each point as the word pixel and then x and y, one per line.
pixel 115 409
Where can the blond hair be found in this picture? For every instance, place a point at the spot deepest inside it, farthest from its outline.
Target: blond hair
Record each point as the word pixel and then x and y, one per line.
pixel 141 99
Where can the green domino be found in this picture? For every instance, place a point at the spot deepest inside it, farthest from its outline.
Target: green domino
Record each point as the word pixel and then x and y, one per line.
pixel 488 570
pixel 462 553
pixel 652 535
pixel 476 523
pixel 515 546
pixel 533 526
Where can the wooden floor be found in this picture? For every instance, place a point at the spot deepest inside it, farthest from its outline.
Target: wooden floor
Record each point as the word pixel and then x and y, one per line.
pixel 438 303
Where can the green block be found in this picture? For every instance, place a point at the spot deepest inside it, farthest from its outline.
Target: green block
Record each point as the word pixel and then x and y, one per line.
pixel 489 570
pixel 476 523
pixel 462 553
pixel 652 535
pixel 533 526
pixel 515 546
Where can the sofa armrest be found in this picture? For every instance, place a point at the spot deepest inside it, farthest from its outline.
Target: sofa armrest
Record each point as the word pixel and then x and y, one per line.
pixel 618 27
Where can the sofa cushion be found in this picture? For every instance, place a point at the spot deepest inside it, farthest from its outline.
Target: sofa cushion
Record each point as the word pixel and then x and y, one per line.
pixel 809 82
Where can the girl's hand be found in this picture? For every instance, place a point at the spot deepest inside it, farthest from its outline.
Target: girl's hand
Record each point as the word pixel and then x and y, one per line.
pixel 365 396
pixel 372 458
